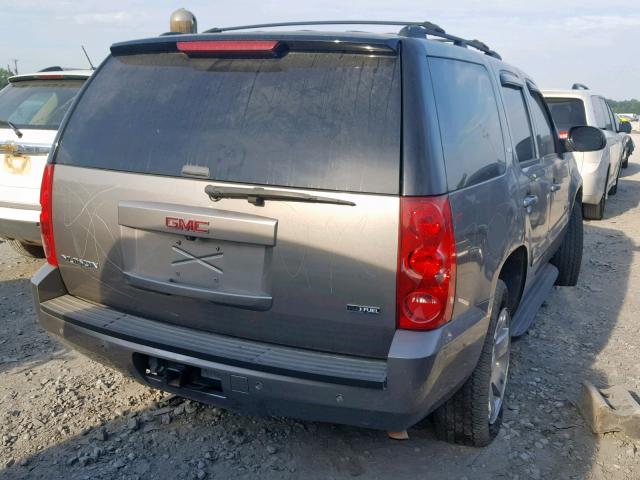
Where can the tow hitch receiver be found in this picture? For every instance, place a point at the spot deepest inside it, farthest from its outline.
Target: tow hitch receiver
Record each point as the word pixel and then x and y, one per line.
pixel 167 375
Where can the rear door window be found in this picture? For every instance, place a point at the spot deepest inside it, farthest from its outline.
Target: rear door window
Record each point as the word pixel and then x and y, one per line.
pixel 519 123
pixel 567 112
pixel 612 118
pixel 38 104
pixel 313 120
pixel 469 122
pixel 544 127
pixel 608 119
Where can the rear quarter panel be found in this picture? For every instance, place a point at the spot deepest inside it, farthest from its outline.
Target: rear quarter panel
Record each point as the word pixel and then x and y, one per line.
pixel 488 222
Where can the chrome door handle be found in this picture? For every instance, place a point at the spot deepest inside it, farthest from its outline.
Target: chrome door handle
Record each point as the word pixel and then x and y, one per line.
pixel 529 201
pixel 555 187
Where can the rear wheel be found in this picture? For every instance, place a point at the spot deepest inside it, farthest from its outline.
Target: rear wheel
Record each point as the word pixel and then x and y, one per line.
pixel 596 212
pixel 474 414
pixel 568 258
pixel 26 249
pixel 625 162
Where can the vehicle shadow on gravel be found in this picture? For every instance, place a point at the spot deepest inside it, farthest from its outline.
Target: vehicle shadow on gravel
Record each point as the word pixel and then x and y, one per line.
pixel 543 435
pixel 632 169
pixel 628 195
pixel 23 344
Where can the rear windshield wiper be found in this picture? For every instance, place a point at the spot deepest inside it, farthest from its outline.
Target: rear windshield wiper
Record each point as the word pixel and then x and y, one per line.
pixel 258 196
pixel 15 129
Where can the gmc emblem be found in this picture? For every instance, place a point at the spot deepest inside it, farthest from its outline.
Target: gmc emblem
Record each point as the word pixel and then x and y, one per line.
pixel 176 223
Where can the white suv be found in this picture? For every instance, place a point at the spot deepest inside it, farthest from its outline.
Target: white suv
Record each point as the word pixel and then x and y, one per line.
pixel 31 109
pixel 600 169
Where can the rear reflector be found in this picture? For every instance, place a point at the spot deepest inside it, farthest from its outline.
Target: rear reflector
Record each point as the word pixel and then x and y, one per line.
pixel 426 263
pixel 46 215
pixel 242 47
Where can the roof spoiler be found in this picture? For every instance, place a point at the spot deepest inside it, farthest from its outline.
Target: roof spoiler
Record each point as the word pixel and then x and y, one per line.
pixel 176 43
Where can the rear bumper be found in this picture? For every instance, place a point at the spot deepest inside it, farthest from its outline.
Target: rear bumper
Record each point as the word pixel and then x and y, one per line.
pixel 421 371
pixel 20 223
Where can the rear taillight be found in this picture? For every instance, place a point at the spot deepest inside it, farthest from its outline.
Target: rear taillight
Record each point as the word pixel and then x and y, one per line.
pixel 426 264
pixel 237 47
pixel 563 134
pixel 46 215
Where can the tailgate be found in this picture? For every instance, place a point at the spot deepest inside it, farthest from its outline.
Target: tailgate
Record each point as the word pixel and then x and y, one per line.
pixel 290 273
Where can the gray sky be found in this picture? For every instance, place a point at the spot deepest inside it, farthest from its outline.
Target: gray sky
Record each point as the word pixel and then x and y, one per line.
pixel 556 42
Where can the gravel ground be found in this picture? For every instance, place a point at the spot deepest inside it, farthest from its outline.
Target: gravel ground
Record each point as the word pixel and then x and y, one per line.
pixel 66 417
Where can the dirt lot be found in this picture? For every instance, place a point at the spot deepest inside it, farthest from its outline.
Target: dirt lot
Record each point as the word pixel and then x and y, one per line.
pixel 63 416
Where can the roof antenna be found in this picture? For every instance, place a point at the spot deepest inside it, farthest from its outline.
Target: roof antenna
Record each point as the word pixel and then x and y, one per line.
pixel 88 59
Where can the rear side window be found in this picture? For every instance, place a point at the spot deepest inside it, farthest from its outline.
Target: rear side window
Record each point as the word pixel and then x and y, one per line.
pixel 519 123
pixel 38 104
pixel 307 120
pixel 544 127
pixel 600 112
pixel 567 112
pixel 469 122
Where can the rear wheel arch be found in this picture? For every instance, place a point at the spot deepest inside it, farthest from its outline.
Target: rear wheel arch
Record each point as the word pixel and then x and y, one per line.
pixel 514 275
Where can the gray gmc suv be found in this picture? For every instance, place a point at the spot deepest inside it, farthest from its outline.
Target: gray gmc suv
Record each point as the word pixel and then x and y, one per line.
pixel 343 227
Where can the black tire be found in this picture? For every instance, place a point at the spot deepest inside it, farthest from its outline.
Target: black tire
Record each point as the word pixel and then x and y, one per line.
pixel 464 418
pixel 625 162
pixel 596 212
pixel 568 258
pixel 26 249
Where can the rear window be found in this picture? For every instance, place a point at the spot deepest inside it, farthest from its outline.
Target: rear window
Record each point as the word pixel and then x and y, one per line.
pixel 307 120
pixel 567 112
pixel 38 104
pixel 469 122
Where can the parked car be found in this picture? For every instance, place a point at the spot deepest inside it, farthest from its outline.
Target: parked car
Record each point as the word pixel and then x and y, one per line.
pixel 31 109
pixel 627 141
pixel 334 226
pixel 628 146
pixel 632 117
pixel 600 170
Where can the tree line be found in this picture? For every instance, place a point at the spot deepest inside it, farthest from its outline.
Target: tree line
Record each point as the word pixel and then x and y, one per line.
pixel 625 106
pixel 5 73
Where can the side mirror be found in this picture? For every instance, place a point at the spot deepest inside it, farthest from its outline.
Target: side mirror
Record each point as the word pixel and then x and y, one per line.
pixel 625 127
pixel 585 139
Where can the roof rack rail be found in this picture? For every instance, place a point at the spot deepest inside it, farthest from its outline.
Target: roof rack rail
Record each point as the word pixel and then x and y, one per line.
pixel 579 86
pixel 410 29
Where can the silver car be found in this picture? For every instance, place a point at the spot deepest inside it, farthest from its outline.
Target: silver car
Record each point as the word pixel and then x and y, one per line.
pixel 600 170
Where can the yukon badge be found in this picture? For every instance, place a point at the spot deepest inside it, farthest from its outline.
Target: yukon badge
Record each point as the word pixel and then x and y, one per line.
pixel 80 262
